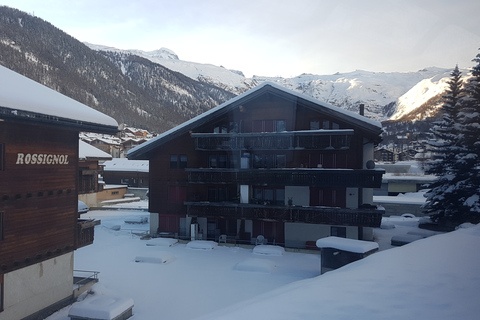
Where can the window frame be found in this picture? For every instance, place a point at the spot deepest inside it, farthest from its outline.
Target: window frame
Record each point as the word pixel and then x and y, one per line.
pixel 178 161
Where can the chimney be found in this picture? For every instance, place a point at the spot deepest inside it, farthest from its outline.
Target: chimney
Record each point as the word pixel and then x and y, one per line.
pixel 362 109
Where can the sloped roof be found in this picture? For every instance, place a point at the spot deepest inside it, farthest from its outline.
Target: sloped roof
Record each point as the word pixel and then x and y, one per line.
pixel 369 125
pixel 22 99
pixel 89 152
pixel 122 164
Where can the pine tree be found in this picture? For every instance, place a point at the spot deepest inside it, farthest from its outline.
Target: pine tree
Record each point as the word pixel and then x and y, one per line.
pixel 443 199
pixel 469 160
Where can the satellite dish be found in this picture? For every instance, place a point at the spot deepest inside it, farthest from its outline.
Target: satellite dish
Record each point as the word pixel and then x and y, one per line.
pixel 370 164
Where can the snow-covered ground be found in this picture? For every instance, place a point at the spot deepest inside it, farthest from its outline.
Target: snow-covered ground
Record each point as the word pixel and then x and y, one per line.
pixel 433 278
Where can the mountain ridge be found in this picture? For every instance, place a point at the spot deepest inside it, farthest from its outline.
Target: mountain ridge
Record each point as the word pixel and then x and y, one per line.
pixel 155 90
pixel 384 94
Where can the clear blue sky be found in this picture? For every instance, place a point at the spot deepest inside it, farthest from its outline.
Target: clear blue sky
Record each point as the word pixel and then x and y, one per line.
pixel 279 37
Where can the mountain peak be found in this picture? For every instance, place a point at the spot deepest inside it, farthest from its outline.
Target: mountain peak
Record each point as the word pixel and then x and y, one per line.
pixel 163 53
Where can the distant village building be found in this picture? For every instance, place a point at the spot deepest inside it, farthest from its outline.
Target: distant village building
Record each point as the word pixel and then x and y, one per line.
pixel 117 145
pixel 133 173
pixel 39 167
pixel 90 169
pixel 384 155
pixel 271 163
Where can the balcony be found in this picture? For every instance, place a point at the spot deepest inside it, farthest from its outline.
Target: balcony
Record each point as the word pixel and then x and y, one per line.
pixel 86 231
pixel 286 140
pixel 322 178
pixel 315 215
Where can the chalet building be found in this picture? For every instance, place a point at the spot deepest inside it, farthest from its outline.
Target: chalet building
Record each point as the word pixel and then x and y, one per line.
pixel 109 145
pixel 90 168
pixel 129 143
pixel 39 184
pixel 384 155
pixel 133 173
pixel 269 162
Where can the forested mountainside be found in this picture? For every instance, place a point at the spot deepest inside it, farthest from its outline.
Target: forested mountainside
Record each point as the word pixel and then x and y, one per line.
pixel 147 96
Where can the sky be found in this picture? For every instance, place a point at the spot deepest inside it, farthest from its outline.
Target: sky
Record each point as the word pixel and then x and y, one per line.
pixel 279 37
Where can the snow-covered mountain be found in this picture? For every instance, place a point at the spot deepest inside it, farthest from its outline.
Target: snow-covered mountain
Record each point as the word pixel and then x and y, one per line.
pixel 425 98
pixel 230 80
pixel 391 95
pixel 380 92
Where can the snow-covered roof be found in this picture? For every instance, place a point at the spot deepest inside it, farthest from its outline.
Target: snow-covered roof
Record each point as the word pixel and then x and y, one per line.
pixel 87 151
pixel 123 164
pixel 350 245
pixel 24 99
pixel 140 151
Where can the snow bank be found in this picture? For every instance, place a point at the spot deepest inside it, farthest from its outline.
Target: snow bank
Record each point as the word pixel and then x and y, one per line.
pixel 269 250
pixel 350 245
pixel 402 239
pixel 101 307
pixel 434 278
pixel 202 244
pixel 256 265
pixel 387 225
pixel 162 242
pixel 157 257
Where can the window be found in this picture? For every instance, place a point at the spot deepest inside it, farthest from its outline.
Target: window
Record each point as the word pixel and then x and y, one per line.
pixel 226 127
pixel 2 157
pixel 338 232
pixel 269 161
pixel 314 125
pixel 281 161
pixel 182 161
pixel 218 161
pixel 280 125
pixel 212 161
pixel 173 161
pixel 178 161
pixel 222 128
pixel 217 194
pixel 222 161
pixel 325 124
pixel 268 196
pixel 269 125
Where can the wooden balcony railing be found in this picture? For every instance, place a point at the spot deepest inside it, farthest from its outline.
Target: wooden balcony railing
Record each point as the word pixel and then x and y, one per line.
pixel 287 140
pixel 331 178
pixel 315 215
pixel 85 232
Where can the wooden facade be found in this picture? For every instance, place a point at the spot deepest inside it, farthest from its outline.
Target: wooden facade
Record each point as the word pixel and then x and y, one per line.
pixel 39 184
pixel 267 157
pixel 38 194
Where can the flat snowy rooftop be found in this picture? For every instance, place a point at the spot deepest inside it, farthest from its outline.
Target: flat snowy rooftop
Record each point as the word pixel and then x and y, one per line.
pixel 350 245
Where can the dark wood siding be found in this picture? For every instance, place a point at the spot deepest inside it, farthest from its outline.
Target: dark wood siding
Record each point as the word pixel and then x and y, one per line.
pixel 213 189
pixel 39 201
